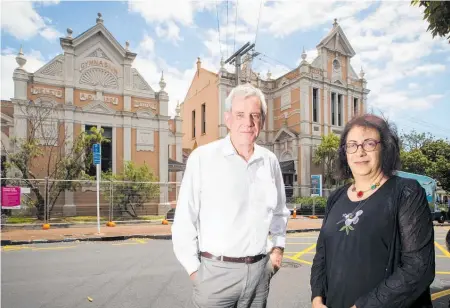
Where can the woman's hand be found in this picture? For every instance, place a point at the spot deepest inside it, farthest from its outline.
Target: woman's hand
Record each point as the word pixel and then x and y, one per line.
pixel 318 303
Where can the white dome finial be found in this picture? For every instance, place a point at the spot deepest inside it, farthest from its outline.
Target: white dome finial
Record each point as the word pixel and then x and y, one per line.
pixel 20 59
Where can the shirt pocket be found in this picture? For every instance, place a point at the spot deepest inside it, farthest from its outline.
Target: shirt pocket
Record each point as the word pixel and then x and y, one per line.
pixel 266 192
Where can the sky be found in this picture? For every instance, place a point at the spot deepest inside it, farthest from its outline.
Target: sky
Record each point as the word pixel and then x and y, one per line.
pixel 407 71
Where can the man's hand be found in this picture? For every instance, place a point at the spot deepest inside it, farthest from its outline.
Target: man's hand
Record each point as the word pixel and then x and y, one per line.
pixel 193 275
pixel 318 303
pixel 276 256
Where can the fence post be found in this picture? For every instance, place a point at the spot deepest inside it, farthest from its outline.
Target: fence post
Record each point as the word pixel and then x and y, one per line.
pixel 46 211
pixel 314 207
pixel 110 200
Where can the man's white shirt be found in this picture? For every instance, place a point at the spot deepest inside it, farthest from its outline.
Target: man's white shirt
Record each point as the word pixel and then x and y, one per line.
pixel 227 206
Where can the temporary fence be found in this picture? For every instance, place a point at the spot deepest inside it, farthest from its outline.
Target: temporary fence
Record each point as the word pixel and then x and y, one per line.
pixel 49 198
pixel 121 200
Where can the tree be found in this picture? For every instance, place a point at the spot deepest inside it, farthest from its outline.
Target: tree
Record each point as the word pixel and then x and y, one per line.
pixel 131 188
pixel 326 155
pixel 414 140
pixel 437 14
pixel 47 151
pixel 428 156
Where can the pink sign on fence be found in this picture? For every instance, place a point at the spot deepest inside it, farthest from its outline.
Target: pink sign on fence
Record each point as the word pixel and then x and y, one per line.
pixel 11 197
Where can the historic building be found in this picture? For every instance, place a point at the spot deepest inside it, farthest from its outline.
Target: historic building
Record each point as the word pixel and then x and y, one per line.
pixel 308 102
pixel 92 83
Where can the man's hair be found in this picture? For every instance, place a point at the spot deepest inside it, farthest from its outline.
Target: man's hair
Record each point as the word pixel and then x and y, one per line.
pixel 247 90
pixel 390 148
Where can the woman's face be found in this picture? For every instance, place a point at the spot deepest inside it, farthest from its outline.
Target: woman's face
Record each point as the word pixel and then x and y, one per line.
pixel 363 150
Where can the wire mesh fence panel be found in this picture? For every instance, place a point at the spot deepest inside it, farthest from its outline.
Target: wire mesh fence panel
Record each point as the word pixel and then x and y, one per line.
pixel 77 200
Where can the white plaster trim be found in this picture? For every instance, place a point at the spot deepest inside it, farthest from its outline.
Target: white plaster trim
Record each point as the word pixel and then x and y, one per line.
pixel 145 140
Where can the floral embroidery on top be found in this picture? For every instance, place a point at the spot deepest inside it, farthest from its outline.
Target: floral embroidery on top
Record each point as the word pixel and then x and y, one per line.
pixel 349 220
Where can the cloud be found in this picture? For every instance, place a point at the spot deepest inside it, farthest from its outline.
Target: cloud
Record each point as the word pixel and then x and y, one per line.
pixel 169 31
pixel 35 61
pixel 23 22
pixel 391 45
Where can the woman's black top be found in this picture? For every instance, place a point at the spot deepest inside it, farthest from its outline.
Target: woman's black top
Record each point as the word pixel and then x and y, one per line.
pixel 378 252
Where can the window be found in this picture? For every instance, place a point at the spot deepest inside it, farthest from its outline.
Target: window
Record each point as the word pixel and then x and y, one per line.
pixel 203 118
pixel 193 123
pixel 315 104
pixel 333 108
pixel 106 151
pixel 339 109
pixel 355 106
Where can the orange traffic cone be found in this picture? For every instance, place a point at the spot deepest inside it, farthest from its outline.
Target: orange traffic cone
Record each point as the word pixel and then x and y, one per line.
pixel 294 212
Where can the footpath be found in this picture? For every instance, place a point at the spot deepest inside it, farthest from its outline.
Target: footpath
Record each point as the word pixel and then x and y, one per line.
pixel 119 232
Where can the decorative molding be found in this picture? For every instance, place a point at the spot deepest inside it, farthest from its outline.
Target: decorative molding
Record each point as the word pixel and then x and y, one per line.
pixel 98 53
pixel 46 91
pixel 139 104
pixel 139 82
pixel 54 68
pixel 286 114
pixel 92 97
pixel 98 76
pixel 104 65
pixel 98 107
pixel 145 140
pixel 145 114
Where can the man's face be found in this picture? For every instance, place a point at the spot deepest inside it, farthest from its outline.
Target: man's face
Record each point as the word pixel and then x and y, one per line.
pixel 245 119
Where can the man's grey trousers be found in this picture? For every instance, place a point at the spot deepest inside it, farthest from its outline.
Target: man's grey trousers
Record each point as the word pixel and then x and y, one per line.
pixel 220 284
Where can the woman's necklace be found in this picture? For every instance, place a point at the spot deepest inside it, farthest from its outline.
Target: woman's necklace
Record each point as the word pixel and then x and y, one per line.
pixel 360 193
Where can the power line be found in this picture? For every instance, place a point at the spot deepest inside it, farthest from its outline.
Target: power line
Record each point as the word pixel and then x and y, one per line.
pixel 226 32
pixel 218 29
pixel 257 27
pixel 235 25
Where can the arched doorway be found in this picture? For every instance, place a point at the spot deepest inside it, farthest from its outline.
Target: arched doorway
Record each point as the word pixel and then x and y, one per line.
pixel 288 170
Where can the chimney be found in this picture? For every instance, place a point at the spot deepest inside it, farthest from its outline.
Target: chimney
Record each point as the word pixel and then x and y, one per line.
pixel 199 66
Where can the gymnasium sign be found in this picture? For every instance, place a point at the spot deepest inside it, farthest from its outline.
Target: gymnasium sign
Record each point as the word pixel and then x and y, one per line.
pixel 99 63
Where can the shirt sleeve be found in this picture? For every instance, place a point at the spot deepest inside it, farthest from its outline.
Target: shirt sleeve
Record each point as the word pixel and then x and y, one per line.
pixel 417 267
pixel 281 213
pixel 184 227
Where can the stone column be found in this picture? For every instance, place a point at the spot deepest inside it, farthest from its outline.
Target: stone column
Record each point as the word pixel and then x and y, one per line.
pixel 127 138
pixel 163 121
pixel 270 118
pixel 69 208
pixel 305 114
pixel 222 107
pixel 114 149
pixel 326 110
pixel 306 167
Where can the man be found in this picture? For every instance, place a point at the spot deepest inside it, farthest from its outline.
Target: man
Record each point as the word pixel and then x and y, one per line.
pixel 231 197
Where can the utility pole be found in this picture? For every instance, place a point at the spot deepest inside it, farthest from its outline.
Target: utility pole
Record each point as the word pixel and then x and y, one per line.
pixel 236 59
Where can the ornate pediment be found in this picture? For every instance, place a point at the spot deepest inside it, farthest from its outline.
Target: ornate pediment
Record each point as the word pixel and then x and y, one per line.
pixel 53 68
pixel 99 53
pixel 146 113
pixel 284 133
pixel 98 107
pixel 139 82
pixel 337 41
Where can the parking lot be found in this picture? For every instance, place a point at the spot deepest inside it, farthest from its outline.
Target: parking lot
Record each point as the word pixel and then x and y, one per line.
pixel 145 273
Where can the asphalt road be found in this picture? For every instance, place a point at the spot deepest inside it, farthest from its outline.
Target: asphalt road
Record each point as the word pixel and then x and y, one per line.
pixel 144 273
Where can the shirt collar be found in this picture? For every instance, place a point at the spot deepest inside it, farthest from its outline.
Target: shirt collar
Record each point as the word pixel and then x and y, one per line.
pixel 228 149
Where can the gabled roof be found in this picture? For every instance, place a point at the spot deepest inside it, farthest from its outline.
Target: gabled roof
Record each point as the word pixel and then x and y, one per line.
pixel 98 28
pixel 336 40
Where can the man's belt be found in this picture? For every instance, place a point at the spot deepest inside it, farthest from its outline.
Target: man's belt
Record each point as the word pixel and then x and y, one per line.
pixel 247 260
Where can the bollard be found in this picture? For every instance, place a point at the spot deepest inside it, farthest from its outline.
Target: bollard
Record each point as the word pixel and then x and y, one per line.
pixel 294 213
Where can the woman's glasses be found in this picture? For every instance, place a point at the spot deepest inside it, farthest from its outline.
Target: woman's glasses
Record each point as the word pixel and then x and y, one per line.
pixel 368 145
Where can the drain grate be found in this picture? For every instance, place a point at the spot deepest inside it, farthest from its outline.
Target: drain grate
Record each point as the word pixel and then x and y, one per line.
pixel 290 265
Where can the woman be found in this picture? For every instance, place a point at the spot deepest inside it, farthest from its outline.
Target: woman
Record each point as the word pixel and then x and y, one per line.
pixel 376 244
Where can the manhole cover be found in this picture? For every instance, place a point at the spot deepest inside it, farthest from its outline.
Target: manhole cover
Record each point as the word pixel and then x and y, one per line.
pixel 290 265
